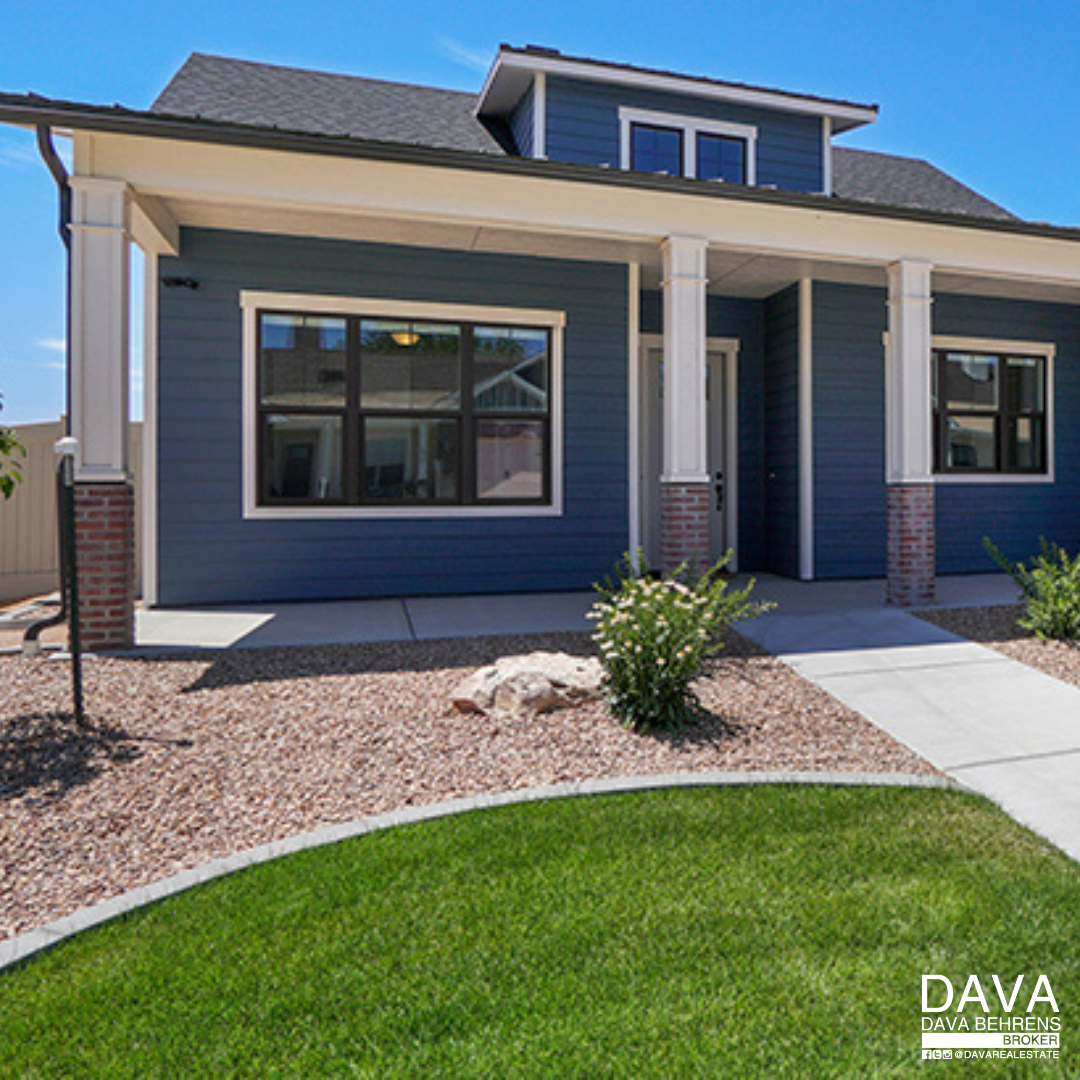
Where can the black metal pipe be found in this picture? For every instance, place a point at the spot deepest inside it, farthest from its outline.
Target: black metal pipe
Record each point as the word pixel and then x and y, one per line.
pixel 60 175
pixel 65 477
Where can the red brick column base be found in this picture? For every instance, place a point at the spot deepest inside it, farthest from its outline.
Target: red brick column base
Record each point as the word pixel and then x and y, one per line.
pixel 912 545
pixel 105 543
pixel 684 524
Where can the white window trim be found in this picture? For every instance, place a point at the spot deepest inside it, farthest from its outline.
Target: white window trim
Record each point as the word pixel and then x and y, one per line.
pixel 1048 351
pixel 691 127
pixel 252 302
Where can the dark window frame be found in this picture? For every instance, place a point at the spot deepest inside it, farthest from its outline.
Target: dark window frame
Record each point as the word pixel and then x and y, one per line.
pixel 639 125
pixel 720 136
pixel 353 416
pixel 1005 414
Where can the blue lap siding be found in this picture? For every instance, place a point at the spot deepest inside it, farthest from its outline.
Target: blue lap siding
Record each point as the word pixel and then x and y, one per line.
pixel 583 128
pixel 849 436
pixel 781 398
pixel 521 123
pixel 210 553
pixel 849 431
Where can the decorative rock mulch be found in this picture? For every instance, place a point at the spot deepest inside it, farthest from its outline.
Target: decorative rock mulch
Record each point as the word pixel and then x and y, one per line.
pixel 193 757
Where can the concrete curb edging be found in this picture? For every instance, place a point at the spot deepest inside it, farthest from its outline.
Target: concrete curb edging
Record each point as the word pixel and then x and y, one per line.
pixel 46 937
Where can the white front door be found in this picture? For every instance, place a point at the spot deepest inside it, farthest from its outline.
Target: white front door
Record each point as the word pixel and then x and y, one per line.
pixel 720 390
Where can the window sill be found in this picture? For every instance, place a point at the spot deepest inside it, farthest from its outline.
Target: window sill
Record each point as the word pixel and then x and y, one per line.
pixel 394 513
pixel 993 478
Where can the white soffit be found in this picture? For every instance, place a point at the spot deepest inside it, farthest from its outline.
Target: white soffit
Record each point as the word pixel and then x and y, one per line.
pixel 730 273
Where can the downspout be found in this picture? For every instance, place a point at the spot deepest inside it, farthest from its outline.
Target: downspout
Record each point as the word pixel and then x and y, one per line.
pixel 55 166
pixel 60 175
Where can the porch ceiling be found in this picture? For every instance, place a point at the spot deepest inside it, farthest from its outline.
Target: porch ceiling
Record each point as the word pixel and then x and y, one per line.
pixel 731 272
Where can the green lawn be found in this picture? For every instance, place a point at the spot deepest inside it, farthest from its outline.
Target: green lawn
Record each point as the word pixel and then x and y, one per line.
pixel 768 931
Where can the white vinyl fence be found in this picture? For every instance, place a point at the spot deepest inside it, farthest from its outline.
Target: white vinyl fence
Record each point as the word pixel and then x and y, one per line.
pixel 29 559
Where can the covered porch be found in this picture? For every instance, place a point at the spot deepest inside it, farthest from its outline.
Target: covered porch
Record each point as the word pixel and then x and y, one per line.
pixel 689 264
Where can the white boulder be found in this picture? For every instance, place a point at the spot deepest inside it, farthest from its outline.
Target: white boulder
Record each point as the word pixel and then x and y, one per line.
pixel 528 685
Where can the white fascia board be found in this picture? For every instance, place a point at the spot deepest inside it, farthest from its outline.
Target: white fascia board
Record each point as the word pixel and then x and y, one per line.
pixel 494 101
pixel 268 179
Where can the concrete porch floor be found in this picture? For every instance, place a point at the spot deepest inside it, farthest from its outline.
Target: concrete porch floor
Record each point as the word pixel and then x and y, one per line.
pixel 362 621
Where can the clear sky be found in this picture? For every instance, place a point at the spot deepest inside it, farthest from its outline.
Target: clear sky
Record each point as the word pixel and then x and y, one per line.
pixel 987 90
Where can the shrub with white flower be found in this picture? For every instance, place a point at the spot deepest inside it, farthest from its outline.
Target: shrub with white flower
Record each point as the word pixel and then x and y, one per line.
pixel 654 634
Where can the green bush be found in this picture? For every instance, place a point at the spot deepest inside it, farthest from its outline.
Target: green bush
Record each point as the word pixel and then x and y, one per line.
pixel 1051 590
pixel 654 635
pixel 11 451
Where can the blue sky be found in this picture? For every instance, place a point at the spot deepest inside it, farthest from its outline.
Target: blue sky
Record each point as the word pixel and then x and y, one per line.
pixel 986 90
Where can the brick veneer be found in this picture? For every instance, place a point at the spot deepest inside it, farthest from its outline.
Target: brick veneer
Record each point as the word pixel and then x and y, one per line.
pixel 684 524
pixel 912 558
pixel 105 539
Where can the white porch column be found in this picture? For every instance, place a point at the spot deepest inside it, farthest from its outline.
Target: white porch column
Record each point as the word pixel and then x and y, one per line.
pixel 100 290
pixel 99 328
pixel 684 483
pixel 909 458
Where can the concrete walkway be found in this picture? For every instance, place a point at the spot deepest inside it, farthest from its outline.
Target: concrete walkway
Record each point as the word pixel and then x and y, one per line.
pixel 997 726
pixel 252 626
pixel 249 626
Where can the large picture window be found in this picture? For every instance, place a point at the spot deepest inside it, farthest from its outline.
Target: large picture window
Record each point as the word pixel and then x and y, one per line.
pixel 383 412
pixel 990 412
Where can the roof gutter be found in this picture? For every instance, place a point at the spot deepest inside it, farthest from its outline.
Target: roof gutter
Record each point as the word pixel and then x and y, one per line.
pixel 31 111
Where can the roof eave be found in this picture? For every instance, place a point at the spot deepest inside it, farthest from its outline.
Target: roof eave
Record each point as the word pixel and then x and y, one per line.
pixel 30 111
pixel 513 69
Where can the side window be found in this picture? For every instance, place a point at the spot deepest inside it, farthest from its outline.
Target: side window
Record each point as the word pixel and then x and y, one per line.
pixel 990 412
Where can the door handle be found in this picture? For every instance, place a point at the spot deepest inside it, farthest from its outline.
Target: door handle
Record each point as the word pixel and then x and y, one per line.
pixel 719 491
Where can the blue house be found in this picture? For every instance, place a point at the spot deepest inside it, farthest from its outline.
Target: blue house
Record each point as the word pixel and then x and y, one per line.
pixel 407 341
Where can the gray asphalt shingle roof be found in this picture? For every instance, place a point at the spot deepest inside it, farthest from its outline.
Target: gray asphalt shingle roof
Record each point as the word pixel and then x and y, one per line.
pixel 241 92
pixel 867 176
pixel 294 99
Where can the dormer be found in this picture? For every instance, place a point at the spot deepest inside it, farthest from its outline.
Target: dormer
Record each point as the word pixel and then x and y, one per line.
pixel 591 112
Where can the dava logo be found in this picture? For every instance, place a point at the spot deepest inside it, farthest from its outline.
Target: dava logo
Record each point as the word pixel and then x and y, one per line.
pixel 973 993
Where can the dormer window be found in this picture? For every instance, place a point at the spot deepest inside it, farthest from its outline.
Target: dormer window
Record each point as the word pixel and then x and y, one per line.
pixel 721 157
pixel 656 149
pixel 688 146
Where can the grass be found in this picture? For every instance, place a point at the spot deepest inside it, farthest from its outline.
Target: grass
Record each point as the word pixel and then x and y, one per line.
pixel 770 931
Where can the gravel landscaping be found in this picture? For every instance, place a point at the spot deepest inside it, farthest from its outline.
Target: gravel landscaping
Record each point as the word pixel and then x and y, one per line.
pixel 996 628
pixel 194 756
